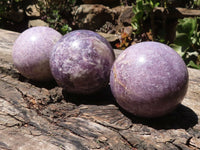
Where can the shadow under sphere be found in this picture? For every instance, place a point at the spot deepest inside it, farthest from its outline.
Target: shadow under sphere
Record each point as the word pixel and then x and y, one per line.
pixel 181 118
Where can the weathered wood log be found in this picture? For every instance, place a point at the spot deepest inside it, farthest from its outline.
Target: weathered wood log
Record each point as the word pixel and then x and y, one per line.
pixel 177 12
pixel 41 116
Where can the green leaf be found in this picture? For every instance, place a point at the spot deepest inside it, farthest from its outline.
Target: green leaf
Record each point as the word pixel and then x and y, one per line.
pixel 178 49
pixel 140 5
pixel 182 39
pixel 65 29
pixel 187 25
pixel 193 65
pixel 194 40
pixel 134 10
pixel 134 25
pixel 138 16
pixel 151 3
pixel 156 4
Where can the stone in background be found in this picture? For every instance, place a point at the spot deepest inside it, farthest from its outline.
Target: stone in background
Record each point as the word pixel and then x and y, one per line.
pixel 93 17
pixel 107 17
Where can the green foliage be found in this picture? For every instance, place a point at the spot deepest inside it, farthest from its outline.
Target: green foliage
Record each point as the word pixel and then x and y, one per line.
pixel 54 13
pixel 65 29
pixel 187 42
pixel 195 4
pixel 142 11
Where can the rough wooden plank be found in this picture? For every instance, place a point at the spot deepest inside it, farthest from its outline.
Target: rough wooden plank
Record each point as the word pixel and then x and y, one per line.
pixel 189 12
pixel 6 42
pixel 41 116
pixel 178 12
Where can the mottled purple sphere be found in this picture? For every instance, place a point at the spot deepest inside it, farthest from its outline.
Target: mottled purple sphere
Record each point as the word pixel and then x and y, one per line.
pixel 149 79
pixel 81 62
pixel 31 52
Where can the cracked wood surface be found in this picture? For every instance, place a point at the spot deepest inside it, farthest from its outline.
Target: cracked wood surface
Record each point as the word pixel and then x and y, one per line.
pixel 40 116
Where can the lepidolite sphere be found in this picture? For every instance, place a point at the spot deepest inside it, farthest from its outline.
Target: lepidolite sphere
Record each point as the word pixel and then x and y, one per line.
pixel 81 62
pixel 31 52
pixel 149 79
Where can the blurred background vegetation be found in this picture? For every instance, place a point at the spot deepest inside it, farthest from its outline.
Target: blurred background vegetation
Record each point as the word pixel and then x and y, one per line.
pixel 186 40
pixel 51 11
pixel 57 13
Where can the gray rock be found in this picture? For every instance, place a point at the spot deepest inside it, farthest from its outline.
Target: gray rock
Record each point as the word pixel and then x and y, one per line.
pixel 92 17
pixel 109 37
pixel 33 10
pixel 126 15
pixel 105 2
pixel 37 22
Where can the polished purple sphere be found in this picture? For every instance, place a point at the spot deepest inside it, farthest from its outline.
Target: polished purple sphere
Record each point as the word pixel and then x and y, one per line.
pixel 149 79
pixel 31 52
pixel 81 62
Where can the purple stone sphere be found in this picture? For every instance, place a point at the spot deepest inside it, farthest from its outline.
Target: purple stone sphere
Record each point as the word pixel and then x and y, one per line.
pixel 31 52
pixel 149 79
pixel 81 62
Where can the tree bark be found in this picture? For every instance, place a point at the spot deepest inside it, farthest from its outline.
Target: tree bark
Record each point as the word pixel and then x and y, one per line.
pixel 40 116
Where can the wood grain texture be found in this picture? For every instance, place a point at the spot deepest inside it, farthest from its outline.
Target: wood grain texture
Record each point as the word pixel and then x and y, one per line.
pixel 177 12
pixel 41 116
